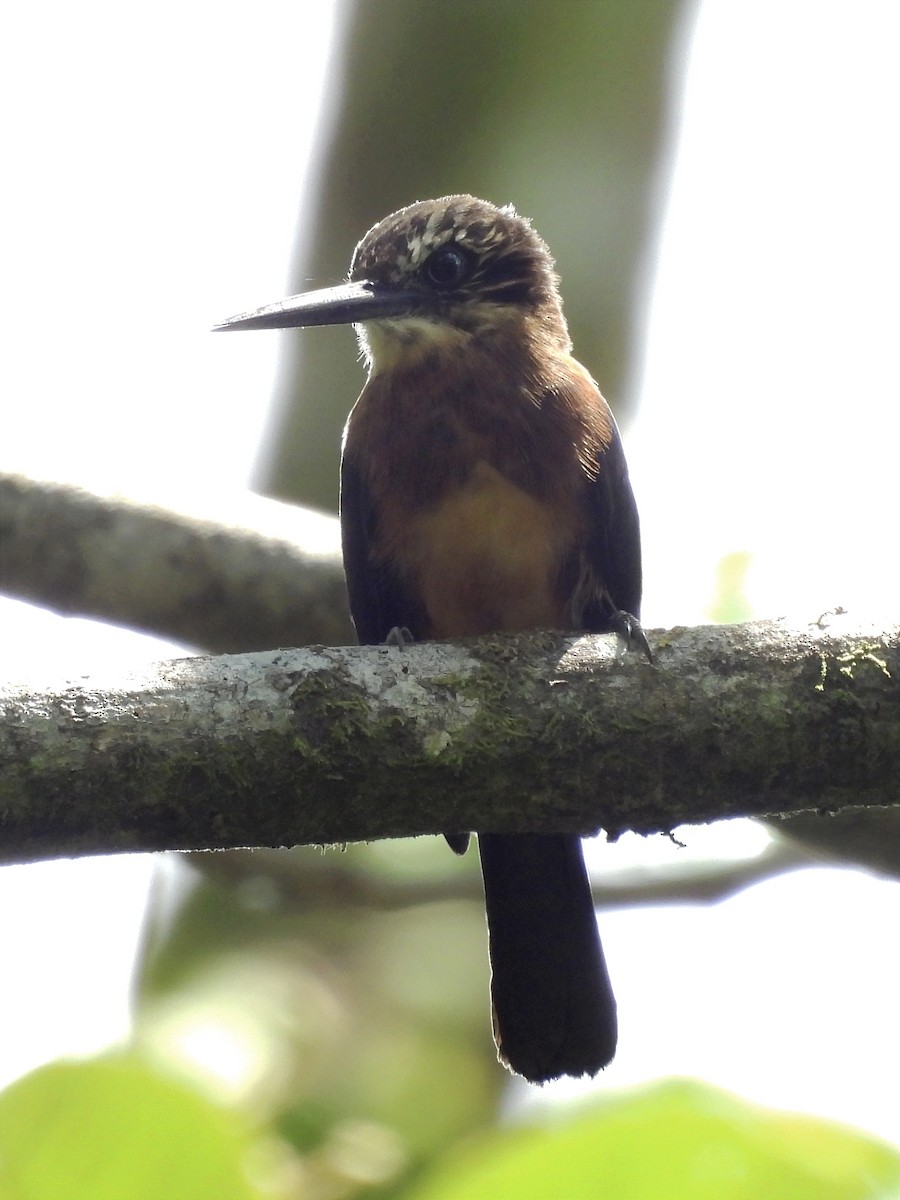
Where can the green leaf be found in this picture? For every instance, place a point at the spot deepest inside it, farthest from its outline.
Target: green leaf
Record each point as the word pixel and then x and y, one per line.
pixel 675 1141
pixel 114 1129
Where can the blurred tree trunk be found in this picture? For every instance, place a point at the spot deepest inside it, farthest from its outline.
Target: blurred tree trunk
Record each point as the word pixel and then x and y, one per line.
pixel 563 107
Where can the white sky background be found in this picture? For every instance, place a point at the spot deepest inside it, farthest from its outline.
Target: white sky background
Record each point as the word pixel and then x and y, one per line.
pixel 770 414
pixel 149 194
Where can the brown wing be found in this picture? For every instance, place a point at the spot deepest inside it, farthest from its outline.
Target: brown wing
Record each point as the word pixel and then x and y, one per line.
pixel 379 602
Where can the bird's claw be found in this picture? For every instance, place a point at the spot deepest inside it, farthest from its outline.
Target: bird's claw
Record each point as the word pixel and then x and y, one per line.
pixel 400 637
pixel 631 632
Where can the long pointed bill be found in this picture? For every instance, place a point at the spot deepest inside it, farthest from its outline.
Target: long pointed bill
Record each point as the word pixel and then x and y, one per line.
pixel 342 305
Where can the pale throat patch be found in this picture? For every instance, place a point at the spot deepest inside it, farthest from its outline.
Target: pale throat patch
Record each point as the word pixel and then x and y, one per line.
pixel 389 343
pixel 401 341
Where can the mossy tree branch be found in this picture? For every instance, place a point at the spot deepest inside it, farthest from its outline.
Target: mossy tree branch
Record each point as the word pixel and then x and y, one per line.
pixel 539 732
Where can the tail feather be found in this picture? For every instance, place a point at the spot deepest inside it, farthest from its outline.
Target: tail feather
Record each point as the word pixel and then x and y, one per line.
pixel 553 1007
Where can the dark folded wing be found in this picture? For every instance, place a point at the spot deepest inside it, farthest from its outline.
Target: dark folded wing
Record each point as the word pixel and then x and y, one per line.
pixel 612 554
pixel 379 601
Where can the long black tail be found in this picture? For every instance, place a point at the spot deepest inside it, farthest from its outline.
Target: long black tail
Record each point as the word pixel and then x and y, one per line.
pixel 554 1010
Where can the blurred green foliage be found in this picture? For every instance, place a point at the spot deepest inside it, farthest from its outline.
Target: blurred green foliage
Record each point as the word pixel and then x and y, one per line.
pixel 675 1141
pixel 349 987
pixel 118 1129
pixel 729 603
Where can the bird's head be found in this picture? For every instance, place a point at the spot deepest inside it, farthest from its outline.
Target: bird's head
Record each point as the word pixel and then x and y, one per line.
pixel 434 275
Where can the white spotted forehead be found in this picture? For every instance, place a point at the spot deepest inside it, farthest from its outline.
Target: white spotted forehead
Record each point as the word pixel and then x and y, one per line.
pixel 420 244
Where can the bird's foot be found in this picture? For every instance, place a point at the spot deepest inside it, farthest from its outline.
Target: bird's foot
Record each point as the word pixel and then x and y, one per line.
pixel 399 636
pixel 630 631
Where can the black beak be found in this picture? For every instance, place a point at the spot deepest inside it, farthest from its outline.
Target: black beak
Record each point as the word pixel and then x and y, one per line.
pixel 342 305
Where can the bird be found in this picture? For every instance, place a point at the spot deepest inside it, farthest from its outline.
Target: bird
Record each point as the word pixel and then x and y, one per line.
pixel 484 489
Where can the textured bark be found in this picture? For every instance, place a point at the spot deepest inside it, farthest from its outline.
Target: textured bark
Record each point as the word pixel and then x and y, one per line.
pixel 274 578
pixel 540 733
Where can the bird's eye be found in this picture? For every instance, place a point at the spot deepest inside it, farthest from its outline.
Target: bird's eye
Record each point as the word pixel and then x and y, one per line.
pixel 448 267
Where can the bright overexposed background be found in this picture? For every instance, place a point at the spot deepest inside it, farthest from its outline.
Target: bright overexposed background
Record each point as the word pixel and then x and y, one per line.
pixel 148 195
